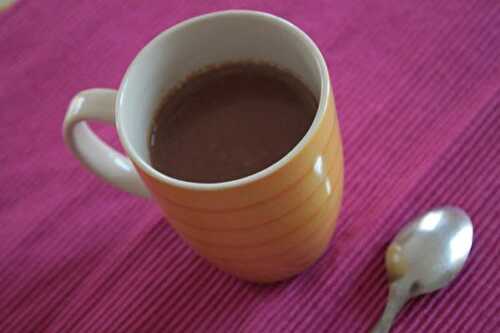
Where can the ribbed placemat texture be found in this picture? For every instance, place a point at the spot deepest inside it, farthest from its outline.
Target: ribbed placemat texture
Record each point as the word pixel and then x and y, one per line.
pixel 417 86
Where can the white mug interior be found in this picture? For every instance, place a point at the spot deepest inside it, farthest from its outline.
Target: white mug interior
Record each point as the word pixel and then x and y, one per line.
pixel 206 40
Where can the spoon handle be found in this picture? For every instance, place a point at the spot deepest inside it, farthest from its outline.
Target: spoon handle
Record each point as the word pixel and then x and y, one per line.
pixel 397 298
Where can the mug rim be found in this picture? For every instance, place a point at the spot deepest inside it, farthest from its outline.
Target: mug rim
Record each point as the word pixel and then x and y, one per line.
pixel 318 118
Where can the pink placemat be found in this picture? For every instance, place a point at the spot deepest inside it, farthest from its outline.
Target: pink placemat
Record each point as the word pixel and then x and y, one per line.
pixel 417 85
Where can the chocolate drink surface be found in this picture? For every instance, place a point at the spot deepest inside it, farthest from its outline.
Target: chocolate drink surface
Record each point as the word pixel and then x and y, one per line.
pixel 230 121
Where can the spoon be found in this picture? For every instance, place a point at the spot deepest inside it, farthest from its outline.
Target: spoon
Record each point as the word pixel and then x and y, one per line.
pixel 426 255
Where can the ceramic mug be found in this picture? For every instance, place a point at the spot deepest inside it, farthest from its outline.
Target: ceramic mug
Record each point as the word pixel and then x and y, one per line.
pixel 264 227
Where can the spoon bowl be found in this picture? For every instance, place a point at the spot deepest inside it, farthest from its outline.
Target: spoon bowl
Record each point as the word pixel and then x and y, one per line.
pixel 426 255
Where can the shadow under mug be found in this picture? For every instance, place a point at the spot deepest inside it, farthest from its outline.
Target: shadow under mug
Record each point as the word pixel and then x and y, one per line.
pixel 264 227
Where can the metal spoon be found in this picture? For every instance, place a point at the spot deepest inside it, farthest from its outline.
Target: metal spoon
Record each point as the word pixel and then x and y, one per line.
pixel 425 256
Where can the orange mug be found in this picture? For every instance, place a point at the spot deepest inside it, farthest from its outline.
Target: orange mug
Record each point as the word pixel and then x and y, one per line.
pixel 265 227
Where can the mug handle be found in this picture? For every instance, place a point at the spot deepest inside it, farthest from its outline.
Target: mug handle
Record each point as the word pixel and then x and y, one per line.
pixel 103 160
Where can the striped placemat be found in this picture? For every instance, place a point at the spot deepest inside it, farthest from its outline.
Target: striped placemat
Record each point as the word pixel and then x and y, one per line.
pixel 417 86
